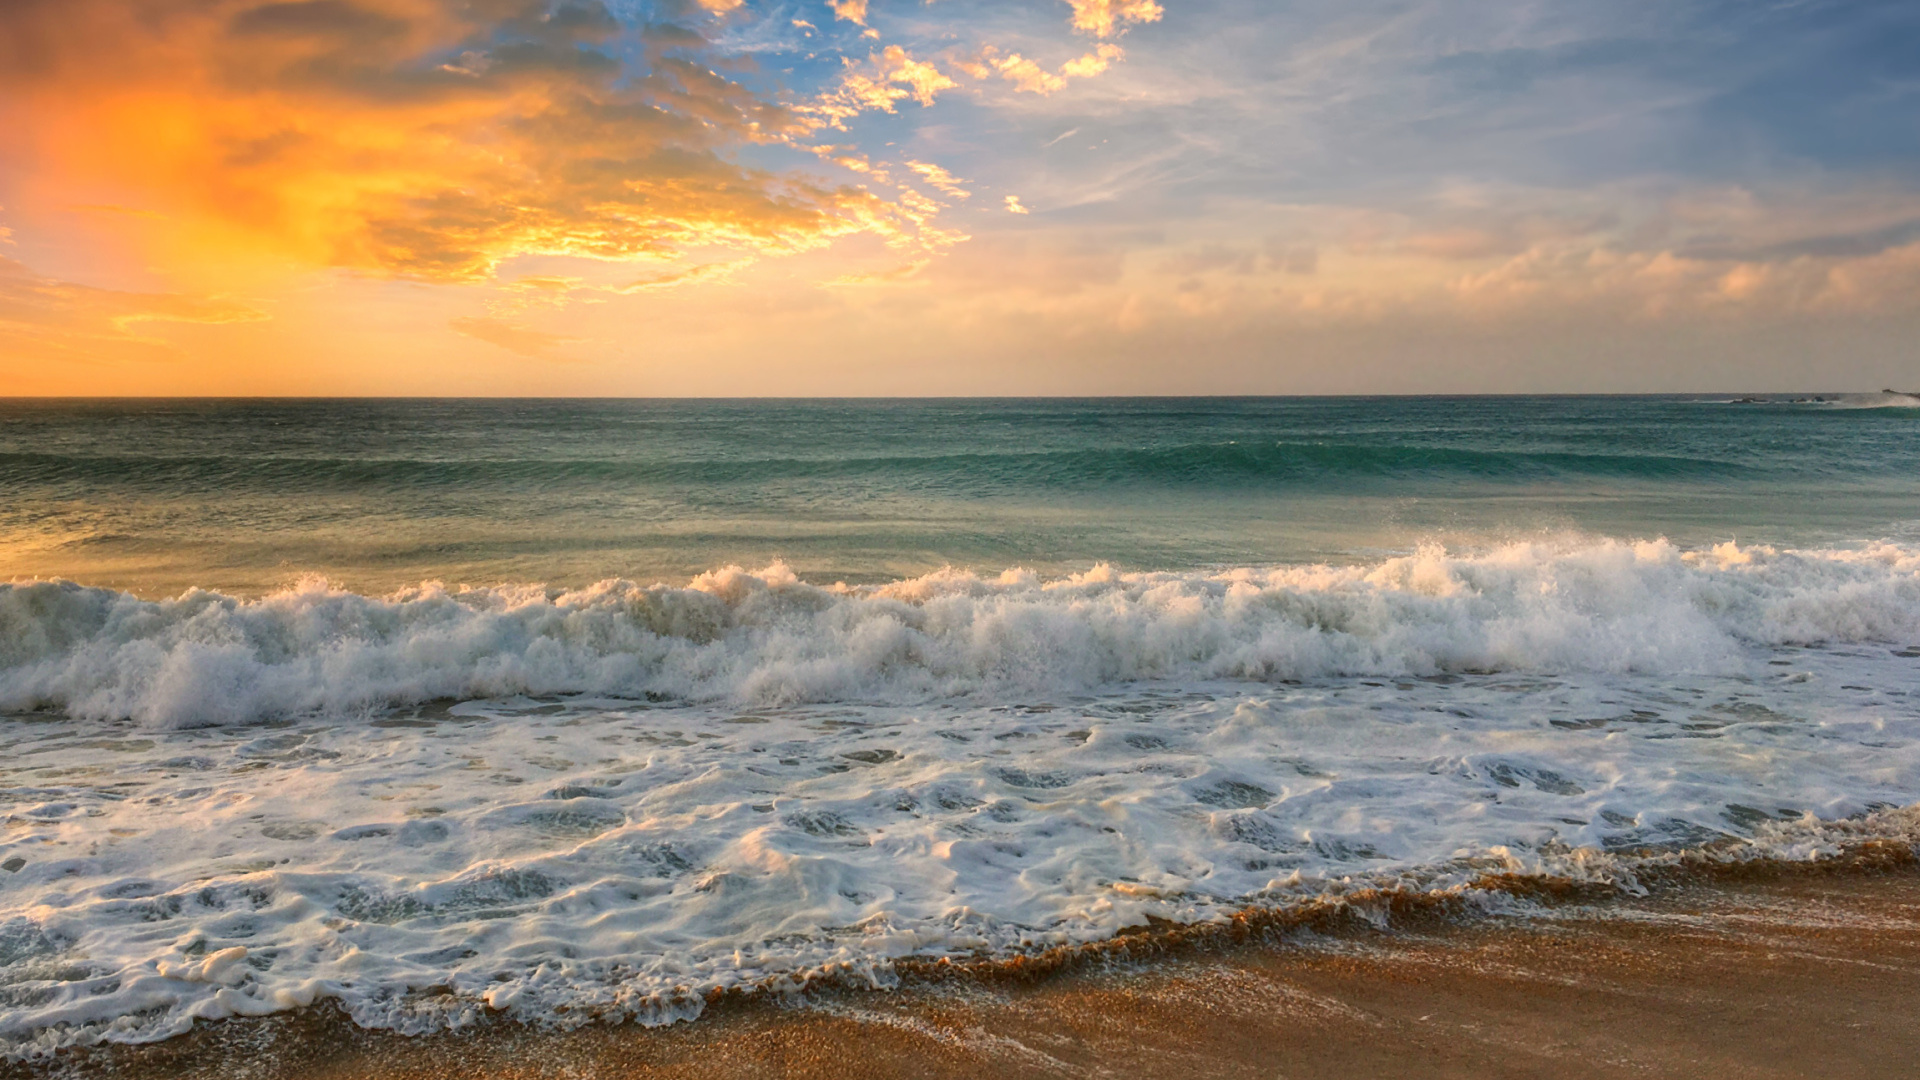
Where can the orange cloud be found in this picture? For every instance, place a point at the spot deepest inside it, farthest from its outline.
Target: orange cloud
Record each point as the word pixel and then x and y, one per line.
pixel 882 277
pixel 850 10
pixel 42 318
pixel 1026 75
pixel 1029 77
pixel 1653 284
pixel 692 275
pixel 514 339
pixel 941 179
pixel 426 139
pixel 1104 18
pixel 1095 62
pixel 886 79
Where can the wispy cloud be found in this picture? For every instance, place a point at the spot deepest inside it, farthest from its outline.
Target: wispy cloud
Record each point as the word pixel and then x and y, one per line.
pixel 891 275
pixel 514 339
pixel 1194 166
pixel 46 319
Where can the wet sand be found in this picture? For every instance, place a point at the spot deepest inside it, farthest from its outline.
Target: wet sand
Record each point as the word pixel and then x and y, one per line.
pixel 1787 973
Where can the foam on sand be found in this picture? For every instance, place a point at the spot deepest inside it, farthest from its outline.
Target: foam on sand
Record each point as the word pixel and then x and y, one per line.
pixel 227 808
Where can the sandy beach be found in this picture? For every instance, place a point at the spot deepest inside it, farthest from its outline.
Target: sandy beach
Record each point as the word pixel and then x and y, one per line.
pixel 1780 972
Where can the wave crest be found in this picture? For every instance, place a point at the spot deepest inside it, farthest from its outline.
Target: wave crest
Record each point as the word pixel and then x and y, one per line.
pixel 766 637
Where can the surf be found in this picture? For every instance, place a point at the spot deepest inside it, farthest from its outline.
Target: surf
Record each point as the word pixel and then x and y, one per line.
pixel 768 637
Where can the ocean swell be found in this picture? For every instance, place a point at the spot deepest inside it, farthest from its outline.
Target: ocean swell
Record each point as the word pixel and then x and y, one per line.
pixel 1312 465
pixel 766 637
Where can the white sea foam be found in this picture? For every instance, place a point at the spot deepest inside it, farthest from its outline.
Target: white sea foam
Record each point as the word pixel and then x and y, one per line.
pixel 1881 399
pixel 767 638
pixel 833 779
pixel 1884 399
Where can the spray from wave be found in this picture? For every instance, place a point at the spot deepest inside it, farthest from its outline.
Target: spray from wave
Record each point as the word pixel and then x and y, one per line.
pixel 1884 399
pixel 766 637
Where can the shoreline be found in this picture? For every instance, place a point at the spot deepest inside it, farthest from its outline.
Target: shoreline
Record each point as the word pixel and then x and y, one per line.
pixel 1740 970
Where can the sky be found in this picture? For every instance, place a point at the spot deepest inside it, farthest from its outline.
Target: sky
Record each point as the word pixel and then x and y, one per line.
pixel 957 197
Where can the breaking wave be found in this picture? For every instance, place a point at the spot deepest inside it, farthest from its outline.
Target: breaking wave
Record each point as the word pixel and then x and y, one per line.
pixel 1883 399
pixel 766 637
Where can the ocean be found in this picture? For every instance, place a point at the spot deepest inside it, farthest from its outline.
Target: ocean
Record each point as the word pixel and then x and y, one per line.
pixel 575 711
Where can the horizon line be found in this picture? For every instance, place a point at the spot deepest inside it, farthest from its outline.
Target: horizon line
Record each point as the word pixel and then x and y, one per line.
pixel 1736 394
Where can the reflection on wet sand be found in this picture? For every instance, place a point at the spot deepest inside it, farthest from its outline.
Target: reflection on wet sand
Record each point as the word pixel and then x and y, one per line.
pixel 1771 972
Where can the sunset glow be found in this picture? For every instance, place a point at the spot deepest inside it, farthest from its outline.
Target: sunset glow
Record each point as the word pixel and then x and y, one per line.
pixel 729 197
pixel 918 539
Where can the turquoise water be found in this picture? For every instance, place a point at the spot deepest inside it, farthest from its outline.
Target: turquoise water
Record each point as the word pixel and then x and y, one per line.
pixel 246 496
pixel 1335 645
